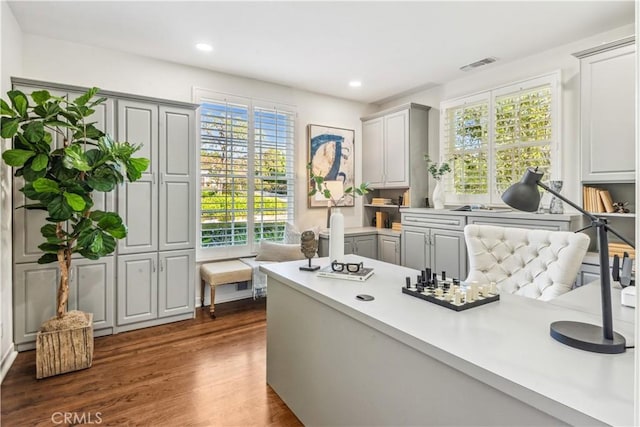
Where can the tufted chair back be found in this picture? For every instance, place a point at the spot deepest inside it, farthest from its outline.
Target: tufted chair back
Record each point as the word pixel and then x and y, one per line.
pixel 538 264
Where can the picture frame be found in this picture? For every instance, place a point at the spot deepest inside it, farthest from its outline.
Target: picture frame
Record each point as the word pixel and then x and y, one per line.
pixel 332 156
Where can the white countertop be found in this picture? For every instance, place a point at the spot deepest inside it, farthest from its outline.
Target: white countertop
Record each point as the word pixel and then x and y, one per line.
pixel 505 344
pixel 494 213
pixel 360 231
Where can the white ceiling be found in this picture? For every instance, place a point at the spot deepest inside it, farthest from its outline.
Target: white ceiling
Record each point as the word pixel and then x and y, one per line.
pixel 392 47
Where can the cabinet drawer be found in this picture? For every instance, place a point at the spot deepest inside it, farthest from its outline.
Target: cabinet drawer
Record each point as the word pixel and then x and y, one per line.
pixel 434 221
pixel 521 223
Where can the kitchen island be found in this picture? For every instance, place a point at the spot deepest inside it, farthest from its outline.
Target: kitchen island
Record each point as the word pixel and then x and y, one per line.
pixel 399 360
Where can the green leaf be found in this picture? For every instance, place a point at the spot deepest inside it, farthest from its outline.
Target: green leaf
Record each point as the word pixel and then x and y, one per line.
pixel 89 255
pixel 76 202
pixel 19 101
pixel 17 157
pixel 34 131
pixel 31 175
pixel 48 231
pixel 47 258
pixel 135 167
pixel 46 185
pixel 86 236
pixel 102 180
pixel 97 215
pixel 50 247
pixel 5 110
pixel 83 99
pixel 96 245
pixel 59 209
pixel 40 96
pixel 112 224
pixel 75 158
pixel 9 127
pixel 40 162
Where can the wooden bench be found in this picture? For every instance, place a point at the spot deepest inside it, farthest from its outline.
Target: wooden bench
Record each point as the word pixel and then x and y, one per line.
pixel 222 273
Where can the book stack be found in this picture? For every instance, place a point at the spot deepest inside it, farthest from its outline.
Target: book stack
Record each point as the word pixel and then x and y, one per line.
pixel 359 276
pixel 380 201
pixel 406 198
pixel 597 200
pixel 396 226
pixel 381 219
pixel 620 248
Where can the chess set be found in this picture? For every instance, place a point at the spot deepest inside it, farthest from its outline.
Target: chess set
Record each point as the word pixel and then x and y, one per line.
pixel 450 293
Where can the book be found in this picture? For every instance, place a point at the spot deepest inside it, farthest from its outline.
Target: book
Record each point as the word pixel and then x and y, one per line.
pixel 359 276
pixel 381 217
pixel 607 201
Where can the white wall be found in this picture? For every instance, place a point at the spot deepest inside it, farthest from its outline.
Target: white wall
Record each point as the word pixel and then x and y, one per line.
pixel 498 74
pixel 10 64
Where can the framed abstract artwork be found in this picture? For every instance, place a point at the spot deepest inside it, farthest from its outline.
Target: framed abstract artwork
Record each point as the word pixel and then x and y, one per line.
pixel 332 156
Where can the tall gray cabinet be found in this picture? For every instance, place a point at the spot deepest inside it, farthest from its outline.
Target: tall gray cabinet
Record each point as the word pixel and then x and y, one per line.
pixel 150 279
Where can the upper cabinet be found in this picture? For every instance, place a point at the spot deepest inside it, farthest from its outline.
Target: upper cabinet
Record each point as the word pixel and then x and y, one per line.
pixel 393 145
pixel 607 112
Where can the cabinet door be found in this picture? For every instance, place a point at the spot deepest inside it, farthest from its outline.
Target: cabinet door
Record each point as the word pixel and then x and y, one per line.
pixel 373 152
pixel 608 115
pixel 177 189
pixel 34 298
pixel 366 246
pixel 449 253
pixel 138 201
pixel 389 249
pixel 91 286
pixel 396 149
pixel 416 252
pixel 137 288
pixel 176 287
pixel 349 247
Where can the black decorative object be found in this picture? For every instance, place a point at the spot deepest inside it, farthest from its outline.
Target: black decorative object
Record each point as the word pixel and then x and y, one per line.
pixel 309 247
pixel 525 196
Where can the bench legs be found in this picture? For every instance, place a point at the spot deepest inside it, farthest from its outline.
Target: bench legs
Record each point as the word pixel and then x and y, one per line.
pixel 202 283
pixel 213 298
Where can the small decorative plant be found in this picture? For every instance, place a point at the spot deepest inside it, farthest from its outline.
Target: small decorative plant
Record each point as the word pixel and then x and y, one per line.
pixel 318 184
pixel 437 172
pixel 60 179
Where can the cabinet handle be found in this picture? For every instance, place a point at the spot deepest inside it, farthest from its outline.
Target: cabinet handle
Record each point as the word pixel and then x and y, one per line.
pixel 161 178
pixel 153 178
pixel 161 265
pixel 153 264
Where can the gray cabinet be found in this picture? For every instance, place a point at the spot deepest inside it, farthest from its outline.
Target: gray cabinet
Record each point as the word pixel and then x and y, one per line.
pixel 151 279
pixel 394 140
pixel 389 249
pixel 365 245
pixel 91 289
pixel 438 249
pixel 607 112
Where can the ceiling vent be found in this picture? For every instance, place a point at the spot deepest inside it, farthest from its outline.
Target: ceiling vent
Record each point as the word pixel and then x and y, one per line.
pixel 477 64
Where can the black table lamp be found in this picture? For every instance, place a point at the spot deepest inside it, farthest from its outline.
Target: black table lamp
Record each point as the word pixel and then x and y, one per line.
pixel 525 196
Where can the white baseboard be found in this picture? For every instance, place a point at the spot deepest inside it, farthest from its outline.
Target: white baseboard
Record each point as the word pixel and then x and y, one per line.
pixel 7 360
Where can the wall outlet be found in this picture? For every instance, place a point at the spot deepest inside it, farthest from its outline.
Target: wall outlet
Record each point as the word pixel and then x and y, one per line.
pixel 242 286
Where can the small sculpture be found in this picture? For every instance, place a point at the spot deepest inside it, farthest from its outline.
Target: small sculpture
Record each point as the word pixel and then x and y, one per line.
pixel 620 207
pixel 309 247
pixel 555 206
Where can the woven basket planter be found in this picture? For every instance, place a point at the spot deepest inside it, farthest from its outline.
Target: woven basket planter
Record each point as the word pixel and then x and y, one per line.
pixel 63 351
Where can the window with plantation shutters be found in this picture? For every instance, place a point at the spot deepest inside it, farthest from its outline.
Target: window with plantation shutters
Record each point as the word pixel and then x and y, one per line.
pixel 490 138
pixel 246 174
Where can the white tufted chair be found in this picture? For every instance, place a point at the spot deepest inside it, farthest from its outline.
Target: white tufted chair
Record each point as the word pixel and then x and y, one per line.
pixel 538 264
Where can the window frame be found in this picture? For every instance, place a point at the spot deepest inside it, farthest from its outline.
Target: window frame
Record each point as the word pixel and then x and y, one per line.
pixel 200 96
pixel 493 197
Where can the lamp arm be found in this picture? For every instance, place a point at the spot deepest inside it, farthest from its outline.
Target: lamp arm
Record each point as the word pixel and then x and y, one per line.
pixel 588 214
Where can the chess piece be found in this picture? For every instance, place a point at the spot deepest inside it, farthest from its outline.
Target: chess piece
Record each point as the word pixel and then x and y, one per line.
pixel 309 247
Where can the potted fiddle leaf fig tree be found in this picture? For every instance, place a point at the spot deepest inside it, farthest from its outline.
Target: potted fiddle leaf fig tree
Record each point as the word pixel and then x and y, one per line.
pixel 60 180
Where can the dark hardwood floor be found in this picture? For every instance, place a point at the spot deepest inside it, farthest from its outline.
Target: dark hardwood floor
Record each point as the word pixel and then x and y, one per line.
pixel 197 372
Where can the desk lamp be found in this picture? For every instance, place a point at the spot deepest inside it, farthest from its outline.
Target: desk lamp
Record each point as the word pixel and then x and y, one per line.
pixel 525 196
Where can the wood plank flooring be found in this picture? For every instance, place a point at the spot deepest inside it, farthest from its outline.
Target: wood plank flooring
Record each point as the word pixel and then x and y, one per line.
pixel 198 372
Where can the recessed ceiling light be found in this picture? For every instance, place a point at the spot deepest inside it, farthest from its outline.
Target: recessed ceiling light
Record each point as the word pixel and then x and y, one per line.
pixel 204 47
pixel 355 83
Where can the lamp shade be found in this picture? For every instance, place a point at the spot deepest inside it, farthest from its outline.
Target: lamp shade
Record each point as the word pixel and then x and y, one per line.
pixel 524 195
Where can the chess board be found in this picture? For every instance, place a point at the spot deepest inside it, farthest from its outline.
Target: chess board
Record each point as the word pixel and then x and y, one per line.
pixel 429 294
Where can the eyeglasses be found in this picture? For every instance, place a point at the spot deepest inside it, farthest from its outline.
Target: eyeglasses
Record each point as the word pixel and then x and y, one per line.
pixel 350 267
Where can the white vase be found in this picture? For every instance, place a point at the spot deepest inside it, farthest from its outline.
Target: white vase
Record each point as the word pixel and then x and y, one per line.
pixel 438 196
pixel 336 236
